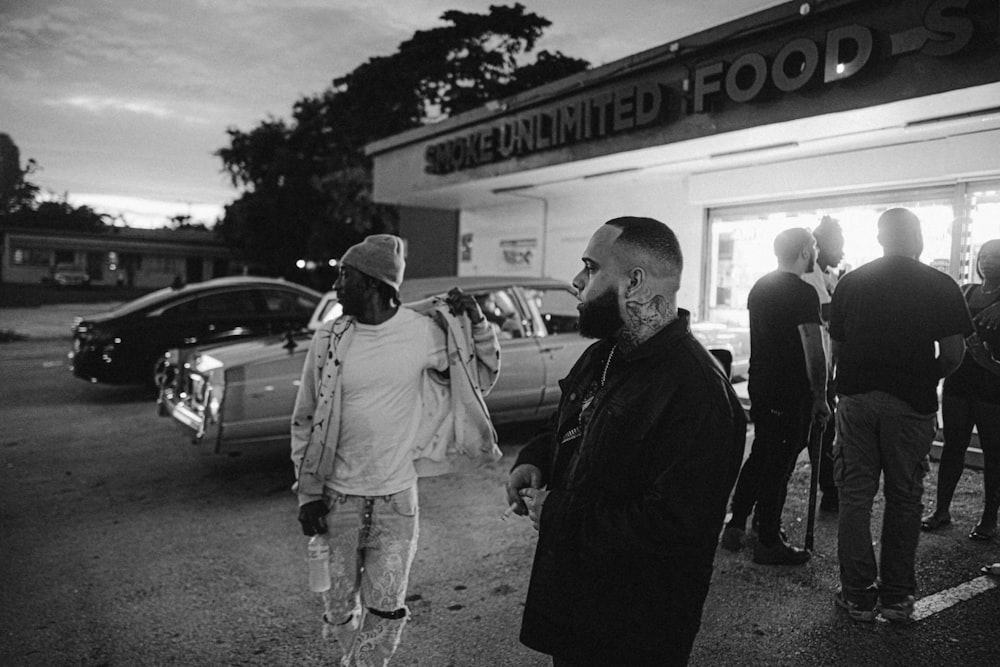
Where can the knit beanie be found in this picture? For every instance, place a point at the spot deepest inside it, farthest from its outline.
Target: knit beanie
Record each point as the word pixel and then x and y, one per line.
pixel 379 256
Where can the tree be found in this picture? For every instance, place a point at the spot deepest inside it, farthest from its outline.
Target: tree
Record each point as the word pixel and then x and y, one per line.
pixel 307 184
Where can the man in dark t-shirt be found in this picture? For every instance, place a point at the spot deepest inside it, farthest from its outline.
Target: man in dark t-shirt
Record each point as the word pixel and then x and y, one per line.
pixel 787 391
pixel 887 319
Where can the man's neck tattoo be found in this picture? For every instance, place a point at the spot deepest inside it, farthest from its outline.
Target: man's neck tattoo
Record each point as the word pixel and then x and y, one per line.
pixel 644 319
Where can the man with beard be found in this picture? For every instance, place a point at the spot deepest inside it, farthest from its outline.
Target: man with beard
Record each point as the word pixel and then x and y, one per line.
pixel 629 485
pixel 830 251
pixel 788 377
pixel 366 425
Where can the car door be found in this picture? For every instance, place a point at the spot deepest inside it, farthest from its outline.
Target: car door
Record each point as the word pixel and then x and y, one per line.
pixel 557 331
pixel 230 314
pixel 285 310
pixel 518 390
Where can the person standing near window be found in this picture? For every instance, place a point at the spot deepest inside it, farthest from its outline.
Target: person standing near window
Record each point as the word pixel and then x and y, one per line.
pixel 971 397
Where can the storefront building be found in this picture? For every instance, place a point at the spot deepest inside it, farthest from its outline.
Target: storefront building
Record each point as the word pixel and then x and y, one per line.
pixel 806 109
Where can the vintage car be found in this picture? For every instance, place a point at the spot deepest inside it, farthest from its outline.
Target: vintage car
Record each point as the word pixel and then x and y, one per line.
pixel 233 397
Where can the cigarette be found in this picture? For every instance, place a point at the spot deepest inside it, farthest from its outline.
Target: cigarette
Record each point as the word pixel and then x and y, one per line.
pixel 508 512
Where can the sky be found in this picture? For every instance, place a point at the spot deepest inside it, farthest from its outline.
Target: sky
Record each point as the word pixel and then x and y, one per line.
pixel 123 103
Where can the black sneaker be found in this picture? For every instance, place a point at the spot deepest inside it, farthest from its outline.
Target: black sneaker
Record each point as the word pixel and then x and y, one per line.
pixel 855 611
pixel 779 553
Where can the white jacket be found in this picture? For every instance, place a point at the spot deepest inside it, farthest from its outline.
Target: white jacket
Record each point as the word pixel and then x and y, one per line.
pixel 455 418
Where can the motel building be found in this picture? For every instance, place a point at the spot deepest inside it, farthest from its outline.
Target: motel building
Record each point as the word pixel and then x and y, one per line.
pixel 839 108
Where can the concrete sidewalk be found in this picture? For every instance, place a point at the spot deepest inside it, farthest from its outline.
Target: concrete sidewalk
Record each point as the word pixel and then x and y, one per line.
pixel 50 322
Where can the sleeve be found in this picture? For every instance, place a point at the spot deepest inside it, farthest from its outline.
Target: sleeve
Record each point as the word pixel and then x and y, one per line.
pixel 305 400
pixel 837 308
pixel 540 449
pixel 807 306
pixel 437 345
pixel 484 337
pixel 817 279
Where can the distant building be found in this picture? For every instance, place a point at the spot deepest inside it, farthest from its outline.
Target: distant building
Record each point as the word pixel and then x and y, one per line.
pixel 116 256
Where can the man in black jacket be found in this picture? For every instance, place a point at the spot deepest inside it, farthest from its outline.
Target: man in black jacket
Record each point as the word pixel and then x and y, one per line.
pixel 628 488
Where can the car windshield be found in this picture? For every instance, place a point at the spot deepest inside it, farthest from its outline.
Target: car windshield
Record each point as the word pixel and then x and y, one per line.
pixel 142 301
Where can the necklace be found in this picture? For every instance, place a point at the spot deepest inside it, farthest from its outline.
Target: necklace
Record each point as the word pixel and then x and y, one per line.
pixel 983 289
pixel 607 364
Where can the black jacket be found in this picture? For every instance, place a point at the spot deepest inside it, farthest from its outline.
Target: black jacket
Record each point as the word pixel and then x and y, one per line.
pixel 629 529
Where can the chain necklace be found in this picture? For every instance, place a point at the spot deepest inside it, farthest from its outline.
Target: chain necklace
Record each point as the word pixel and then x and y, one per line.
pixel 607 364
pixel 982 288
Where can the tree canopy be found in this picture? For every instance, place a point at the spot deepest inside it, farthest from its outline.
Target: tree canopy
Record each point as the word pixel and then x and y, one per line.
pixel 306 183
pixel 20 207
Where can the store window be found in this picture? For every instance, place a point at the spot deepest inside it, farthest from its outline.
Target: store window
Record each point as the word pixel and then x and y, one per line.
pixel 981 225
pixel 955 221
pixel 32 257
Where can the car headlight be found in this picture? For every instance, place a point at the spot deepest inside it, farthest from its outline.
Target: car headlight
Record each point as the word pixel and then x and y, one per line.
pixel 206 363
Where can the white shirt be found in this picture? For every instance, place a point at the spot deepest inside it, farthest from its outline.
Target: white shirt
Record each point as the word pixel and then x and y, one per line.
pixel 381 403
pixel 824 282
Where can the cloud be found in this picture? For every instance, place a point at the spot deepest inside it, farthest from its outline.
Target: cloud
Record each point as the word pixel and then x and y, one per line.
pixel 147 213
pixel 99 104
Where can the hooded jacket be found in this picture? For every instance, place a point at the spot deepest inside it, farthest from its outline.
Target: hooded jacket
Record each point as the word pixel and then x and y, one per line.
pixel 455 419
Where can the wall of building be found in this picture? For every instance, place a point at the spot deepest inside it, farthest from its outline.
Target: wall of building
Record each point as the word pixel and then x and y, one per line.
pixel 430 241
pixel 934 161
pixel 556 225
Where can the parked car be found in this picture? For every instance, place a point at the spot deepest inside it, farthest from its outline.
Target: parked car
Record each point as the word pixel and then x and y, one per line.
pixel 69 276
pixel 125 345
pixel 228 398
pixel 235 396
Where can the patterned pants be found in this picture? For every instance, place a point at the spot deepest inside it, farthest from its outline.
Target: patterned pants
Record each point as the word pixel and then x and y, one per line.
pixel 373 540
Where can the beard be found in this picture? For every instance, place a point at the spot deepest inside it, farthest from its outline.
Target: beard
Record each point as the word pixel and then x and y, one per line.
pixel 600 317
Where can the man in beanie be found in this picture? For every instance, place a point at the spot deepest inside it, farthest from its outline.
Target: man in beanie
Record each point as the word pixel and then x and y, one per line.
pixel 359 431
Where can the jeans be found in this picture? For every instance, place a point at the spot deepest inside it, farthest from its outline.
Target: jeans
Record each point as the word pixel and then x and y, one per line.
pixel 879 434
pixel 960 414
pixel 779 437
pixel 373 540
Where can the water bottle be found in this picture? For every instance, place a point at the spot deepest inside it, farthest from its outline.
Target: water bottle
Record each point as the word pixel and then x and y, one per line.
pixel 319 563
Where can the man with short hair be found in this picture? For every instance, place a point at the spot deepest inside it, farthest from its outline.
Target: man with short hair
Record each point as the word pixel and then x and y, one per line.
pixel 887 319
pixel 830 251
pixel 787 389
pixel 366 424
pixel 628 489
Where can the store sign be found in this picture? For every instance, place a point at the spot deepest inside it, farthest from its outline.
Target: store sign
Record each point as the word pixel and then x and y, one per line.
pixel 519 252
pixel 785 67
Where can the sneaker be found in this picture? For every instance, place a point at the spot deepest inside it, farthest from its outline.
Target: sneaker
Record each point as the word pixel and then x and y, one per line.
pixel 779 553
pixel 855 611
pixel 898 612
pixel 732 538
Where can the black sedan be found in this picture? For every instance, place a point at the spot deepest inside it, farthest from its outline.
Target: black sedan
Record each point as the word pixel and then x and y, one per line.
pixel 124 345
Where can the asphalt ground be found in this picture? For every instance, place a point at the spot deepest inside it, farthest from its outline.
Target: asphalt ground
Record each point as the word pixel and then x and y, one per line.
pixel 754 614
